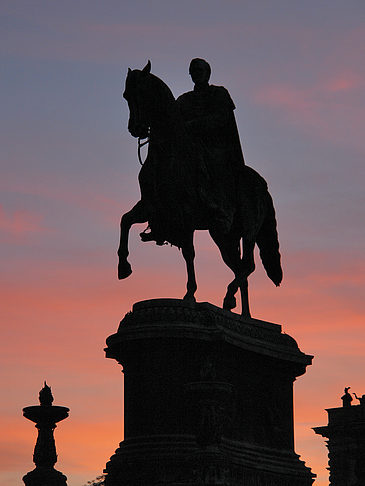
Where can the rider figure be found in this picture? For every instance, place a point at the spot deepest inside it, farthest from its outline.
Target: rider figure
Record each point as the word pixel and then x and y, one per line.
pixel 209 118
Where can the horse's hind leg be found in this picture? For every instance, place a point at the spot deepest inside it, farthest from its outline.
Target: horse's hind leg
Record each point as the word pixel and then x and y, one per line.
pixel 188 252
pixel 135 215
pixel 230 251
pixel 241 267
pixel 247 267
pixel 229 301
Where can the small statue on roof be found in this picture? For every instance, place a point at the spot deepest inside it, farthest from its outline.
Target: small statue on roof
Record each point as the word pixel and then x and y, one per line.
pixel 361 399
pixel 346 398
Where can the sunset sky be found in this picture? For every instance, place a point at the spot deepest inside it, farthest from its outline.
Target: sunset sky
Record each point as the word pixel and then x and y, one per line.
pixel 296 72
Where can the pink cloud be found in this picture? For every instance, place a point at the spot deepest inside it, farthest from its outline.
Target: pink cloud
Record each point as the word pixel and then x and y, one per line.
pixel 96 42
pixel 344 82
pixel 286 97
pixel 67 192
pixel 329 107
pixel 19 223
pixel 297 100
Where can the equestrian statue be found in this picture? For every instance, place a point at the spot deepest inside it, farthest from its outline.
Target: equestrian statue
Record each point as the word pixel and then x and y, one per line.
pixel 195 178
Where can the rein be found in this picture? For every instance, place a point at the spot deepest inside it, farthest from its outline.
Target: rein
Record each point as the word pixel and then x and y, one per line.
pixel 140 145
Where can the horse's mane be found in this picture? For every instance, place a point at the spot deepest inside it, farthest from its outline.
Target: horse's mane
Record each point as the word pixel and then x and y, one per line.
pixel 161 86
pixel 159 89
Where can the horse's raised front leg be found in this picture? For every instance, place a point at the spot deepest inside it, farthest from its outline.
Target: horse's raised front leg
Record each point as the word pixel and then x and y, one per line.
pixel 135 215
pixel 188 252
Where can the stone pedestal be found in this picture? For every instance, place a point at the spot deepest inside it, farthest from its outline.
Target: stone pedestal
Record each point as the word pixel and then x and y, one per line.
pixel 208 399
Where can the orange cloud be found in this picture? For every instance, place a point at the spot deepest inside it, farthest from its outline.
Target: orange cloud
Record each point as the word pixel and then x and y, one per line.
pixel 74 457
pixel 60 326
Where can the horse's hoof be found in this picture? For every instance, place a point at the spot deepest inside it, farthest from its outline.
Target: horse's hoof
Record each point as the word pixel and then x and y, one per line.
pixel 124 270
pixel 189 298
pixel 229 303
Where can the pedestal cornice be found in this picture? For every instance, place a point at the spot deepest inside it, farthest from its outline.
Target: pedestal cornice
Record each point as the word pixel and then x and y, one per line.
pixel 174 318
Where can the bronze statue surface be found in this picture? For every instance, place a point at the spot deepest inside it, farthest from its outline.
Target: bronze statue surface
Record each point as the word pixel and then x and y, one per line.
pixel 194 177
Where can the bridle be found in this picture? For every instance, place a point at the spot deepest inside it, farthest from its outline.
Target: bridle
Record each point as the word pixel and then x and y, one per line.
pixel 140 145
pixel 140 142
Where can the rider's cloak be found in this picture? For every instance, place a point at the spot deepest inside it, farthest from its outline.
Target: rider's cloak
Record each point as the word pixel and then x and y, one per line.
pixel 210 121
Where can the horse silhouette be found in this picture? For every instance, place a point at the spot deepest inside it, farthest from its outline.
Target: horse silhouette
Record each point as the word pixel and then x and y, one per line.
pixel 175 195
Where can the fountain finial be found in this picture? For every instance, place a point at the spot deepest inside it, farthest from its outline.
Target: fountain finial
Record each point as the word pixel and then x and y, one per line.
pixel 45 396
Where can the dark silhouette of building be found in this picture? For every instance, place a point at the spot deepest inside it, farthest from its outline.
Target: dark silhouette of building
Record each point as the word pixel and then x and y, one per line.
pixel 45 417
pixel 208 399
pixel 346 442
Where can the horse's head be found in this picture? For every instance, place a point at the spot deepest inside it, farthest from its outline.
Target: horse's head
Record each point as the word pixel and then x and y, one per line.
pixel 146 96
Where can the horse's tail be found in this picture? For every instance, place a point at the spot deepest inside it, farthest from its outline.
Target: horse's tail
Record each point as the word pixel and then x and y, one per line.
pixel 268 243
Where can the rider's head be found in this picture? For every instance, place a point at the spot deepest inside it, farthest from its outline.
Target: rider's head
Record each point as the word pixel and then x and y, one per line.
pixel 199 71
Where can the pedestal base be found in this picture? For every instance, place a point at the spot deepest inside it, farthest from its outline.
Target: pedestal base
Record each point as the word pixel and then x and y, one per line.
pixel 208 399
